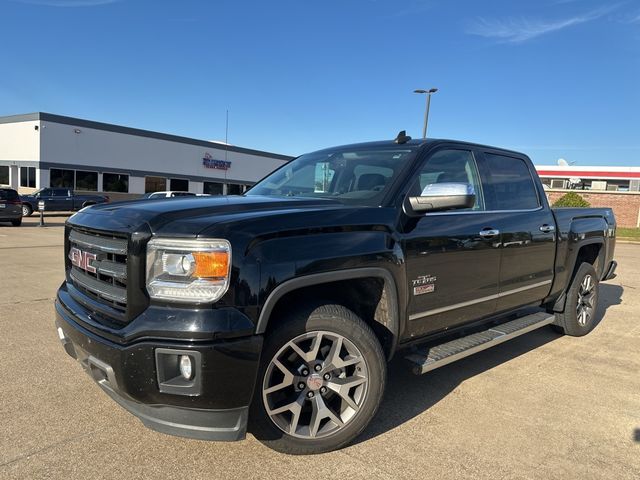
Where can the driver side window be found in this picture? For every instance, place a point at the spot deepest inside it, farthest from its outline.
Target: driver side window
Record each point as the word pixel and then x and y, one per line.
pixel 451 166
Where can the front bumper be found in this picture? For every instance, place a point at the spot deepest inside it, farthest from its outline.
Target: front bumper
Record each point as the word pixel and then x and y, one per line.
pixel 129 375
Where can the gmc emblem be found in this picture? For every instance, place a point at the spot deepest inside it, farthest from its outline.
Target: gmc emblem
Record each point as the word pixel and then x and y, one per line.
pixel 82 259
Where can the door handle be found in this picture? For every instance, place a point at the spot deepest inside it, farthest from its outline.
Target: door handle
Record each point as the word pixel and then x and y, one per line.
pixel 547 228
pixel 489 233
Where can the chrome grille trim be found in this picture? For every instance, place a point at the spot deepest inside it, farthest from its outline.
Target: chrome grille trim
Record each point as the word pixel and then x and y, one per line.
pixel 101 285
pixel 100 288
pixel 104 244
pixel 110 268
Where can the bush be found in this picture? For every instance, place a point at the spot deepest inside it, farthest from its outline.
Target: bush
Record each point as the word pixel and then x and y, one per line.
pixel 571 199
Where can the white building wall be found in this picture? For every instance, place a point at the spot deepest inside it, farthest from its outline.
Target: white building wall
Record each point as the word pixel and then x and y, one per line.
pixel 42 178
pixel 69 145
pixel 20 141
pixel 196 187
pixel 136 184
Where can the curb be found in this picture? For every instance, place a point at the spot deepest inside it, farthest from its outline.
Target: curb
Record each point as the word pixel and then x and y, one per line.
pixel 628 241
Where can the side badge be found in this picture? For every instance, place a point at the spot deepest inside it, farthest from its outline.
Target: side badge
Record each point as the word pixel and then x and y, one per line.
pixel 424 284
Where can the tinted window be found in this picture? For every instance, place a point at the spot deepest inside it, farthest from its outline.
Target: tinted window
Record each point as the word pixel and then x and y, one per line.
pixel 62 178
pixel 179 184
pixel 60 192
pixel 45 192
pixel 212 188
pixel 113 182
pixel 510 184
pixel 7 194
pixel 450 166
pixel 155 184
pixel 28 177
pixel 4 175
pixel 86 180
pixel 233 189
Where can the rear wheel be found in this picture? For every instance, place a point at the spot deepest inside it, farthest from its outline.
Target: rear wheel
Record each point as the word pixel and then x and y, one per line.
pixel 16 223
pixel 26 210
pixel 321 381
pixel 578 317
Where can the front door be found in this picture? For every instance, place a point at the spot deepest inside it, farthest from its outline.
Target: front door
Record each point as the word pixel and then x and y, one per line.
pixel 452 258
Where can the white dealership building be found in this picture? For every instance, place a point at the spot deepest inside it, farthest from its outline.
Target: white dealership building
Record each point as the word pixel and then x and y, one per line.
pixel 39 150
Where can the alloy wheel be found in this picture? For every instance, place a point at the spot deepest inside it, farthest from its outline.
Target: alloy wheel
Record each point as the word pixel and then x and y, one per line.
pixel 586 300
pixel 315 385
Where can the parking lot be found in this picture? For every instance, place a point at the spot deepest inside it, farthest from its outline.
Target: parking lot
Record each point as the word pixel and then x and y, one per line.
pixel 540 406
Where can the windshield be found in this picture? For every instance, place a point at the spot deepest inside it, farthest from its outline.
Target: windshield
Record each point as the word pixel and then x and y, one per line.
pixel 357 176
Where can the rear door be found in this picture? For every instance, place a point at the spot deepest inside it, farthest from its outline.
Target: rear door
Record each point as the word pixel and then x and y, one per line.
pixel 527 229
pixel 452 263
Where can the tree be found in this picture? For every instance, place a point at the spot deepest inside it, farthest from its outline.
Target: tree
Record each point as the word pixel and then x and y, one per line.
pixel 571 199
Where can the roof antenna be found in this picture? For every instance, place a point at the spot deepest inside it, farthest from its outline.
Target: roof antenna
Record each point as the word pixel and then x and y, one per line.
pixel 402 137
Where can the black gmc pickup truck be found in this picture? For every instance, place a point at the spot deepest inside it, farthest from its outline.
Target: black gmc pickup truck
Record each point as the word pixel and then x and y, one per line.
pixel 280 308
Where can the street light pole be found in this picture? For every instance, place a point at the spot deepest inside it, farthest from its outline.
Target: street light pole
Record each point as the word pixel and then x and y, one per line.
pixel 426 110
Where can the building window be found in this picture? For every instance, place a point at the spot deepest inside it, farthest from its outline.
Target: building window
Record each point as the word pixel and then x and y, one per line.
pixel 154 184
pixel 233 189
pixel 179 185
pixel 114 182
pixel 213 188
pixel 27 177
pixel 86 181
pixel 61 178
pixel 4 175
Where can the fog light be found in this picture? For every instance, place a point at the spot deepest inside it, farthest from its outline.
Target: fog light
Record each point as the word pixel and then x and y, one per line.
pixel 186 369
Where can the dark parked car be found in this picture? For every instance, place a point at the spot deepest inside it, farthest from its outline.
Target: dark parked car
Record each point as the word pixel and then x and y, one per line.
pixel 280 308
pixel 59 200
pixel 10 207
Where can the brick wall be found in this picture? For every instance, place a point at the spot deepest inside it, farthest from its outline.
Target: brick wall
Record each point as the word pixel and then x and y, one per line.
pixel 625 205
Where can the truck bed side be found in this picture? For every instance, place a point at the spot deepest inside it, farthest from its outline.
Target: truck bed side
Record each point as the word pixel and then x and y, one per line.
pixel 584 234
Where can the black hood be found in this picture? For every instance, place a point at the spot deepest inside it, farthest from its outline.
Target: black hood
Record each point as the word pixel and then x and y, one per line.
pixel 196 212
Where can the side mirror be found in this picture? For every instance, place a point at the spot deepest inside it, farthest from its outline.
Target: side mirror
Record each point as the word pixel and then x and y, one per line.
pixel 442 196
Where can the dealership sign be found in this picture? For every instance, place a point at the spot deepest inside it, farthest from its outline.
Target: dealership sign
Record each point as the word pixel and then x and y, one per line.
pixel 209 162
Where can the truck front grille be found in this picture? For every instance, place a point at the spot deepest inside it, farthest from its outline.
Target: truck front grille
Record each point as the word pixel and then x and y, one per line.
pixel 97 268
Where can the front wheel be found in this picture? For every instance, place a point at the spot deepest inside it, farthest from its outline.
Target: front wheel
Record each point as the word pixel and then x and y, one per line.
pixel 321 381
pixel 579 316
pixel 26 210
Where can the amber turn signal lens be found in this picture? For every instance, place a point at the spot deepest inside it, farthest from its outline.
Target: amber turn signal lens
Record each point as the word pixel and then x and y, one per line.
pixel 211 264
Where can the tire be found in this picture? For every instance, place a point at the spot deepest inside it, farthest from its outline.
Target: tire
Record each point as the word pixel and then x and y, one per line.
pixel 579 314
pixel 26 210
pixel 16 223
pixel 348 394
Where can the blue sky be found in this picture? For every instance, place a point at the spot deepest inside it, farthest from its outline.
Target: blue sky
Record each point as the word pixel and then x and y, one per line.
pixel 552 78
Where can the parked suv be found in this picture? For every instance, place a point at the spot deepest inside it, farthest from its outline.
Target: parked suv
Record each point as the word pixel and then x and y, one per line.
pixel 280 308
pixel 10 207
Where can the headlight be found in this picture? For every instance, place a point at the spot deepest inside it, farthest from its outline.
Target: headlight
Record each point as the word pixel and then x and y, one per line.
pixel 192 271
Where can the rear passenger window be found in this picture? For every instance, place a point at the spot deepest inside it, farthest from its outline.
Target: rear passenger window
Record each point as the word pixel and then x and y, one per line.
pixel 509 184
pixel 9 195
